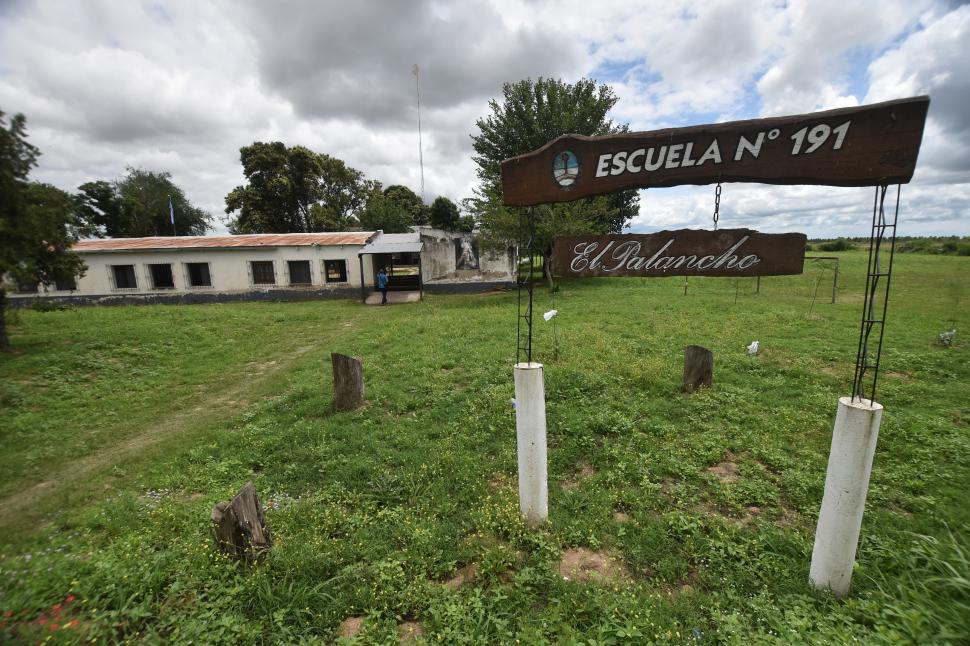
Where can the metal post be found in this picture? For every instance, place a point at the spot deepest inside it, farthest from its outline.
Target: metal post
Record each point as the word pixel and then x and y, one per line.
pixel 835 281
pixel 530 430
pixel 844 501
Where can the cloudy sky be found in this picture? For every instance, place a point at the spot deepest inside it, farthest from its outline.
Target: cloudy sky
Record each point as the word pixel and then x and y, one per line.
pixel 181 86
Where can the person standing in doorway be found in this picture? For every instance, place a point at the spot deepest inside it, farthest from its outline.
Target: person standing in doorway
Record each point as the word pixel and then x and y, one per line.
pixel 382 285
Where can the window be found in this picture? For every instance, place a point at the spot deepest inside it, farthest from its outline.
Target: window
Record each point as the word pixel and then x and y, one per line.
pixel 299 272
pixel 124 276
pixel 161 276
pixel 27 288
pixel 263 273
pixel 198 274
pixel 65 284
pixel 335 270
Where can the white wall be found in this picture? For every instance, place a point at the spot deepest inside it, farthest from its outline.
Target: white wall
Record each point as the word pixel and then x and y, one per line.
pixel 438 260
pixel 228 269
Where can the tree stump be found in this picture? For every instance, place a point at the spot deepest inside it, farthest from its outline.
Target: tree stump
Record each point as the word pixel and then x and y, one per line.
pixel 240 527
pixel 698 368
pixel 348 382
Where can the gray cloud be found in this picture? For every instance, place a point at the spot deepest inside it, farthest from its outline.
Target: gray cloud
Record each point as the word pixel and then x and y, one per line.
pixel 338 59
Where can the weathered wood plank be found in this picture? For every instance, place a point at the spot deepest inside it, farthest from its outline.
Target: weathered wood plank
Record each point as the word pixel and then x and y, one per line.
pixel 240 527
pixel 685 252
pixel 862 146
pixel 698 368
pixel 348 382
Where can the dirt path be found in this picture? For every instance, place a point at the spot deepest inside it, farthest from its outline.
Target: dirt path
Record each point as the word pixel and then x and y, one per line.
pixel 25 508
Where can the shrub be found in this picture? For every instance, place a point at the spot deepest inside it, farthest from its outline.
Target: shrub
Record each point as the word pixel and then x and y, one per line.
pixel 836 245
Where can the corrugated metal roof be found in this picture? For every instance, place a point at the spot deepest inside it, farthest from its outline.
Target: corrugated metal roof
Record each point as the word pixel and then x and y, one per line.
pixel 394 243
pixel 222 242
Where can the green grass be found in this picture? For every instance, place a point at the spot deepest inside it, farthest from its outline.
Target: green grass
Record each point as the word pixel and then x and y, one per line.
pixel 372 510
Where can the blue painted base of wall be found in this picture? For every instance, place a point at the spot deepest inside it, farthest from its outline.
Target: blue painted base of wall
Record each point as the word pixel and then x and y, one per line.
pixel 273 295
pixel 191 298
pixel 467 288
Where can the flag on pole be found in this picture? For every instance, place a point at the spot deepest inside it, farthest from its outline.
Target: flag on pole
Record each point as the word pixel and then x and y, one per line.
pixel 171 211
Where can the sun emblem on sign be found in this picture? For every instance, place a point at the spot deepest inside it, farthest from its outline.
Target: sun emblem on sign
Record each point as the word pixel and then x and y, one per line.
pixel 565 168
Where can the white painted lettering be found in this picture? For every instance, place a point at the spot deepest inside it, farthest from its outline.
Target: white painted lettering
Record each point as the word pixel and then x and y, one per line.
pixel 629 161
pixel 657 255
pixel 687 160
pixel 705 262
pixel 619 163
pixel 729 253
pixel 649 163
pixel 603 167
pixel 748 261
pixel 622 253
pixel 673 156
pixel 713 153
pixel 595 262
pixel 582 251
pixel 753 148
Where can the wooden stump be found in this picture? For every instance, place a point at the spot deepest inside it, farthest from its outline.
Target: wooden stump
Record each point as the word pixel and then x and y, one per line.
pixel 240 527
pixel 698 368
pixel 348 382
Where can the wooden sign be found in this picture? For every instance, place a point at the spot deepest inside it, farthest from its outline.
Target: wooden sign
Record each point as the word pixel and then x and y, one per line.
pixel 686 252
pixel 864 146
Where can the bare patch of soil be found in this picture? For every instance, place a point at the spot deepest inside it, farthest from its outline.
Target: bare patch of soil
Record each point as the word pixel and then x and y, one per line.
pixel 585 471
pixel 900 374
pixel 409 631
pixel 581 564
pixel 497 480
pixel 726 471
pixel 789 517
pixel 621 517
pixel 687 585
pixel 350 626
pixel 465 575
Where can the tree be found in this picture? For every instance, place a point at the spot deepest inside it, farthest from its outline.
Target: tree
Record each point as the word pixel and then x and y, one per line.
pixel 385 213
pixel 404 198
pixel 101 207
pixel 444 214
pixel 295 190
pixel 137 205
pixel 531 114
pixel 37 221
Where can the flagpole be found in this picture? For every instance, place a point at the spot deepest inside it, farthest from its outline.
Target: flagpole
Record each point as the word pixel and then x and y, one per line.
pixel 417 86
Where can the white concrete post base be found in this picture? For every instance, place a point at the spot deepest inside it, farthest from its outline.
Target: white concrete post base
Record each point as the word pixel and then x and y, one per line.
pixel 846 484
pixel 530 430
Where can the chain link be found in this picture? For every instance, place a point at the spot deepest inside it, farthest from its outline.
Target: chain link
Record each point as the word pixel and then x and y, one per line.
pixel 717 204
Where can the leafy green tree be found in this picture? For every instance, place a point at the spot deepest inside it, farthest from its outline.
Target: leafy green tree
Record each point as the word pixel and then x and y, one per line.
pixel 294 189
pixel 531 114
pixel 137 206
pixel 404 198
pixel 384 212
pixel 101 207
pixel 145 195
pixel 444 214
pixel 37 221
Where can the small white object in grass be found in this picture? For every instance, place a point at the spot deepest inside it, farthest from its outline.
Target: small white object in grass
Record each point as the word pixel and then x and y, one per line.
pixel 548 315
pixel 512 401
pixel 946 338
pixel 754 347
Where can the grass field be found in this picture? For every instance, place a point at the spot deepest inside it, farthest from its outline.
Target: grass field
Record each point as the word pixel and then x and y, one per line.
pixel 691 517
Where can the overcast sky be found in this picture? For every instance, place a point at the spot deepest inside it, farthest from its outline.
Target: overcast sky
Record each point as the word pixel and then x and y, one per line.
pixel 181 86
